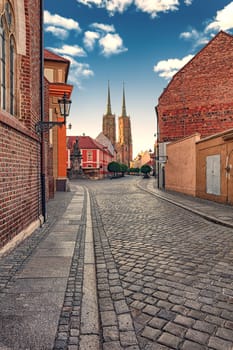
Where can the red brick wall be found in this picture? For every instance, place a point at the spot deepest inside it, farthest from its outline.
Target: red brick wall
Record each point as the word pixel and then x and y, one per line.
pixel 30 66
pixel 19 182
pixel 200 96
pixel 20 193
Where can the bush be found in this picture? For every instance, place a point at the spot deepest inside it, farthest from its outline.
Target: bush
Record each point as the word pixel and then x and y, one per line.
pixel 117 168
pixel 134 171
pixel 146 169
pixel 114 167
pixel 123 168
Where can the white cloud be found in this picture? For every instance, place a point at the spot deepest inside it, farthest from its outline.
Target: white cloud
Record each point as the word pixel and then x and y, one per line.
pixel 188 2
pixel 59 32
pixel 192 34
pixel 90 39
pixel 71 50
pixel 198 38
pixel 89 3
pixel 103 27
pixel 111 6
pixel 117 5
pixel 223 19
pixel 60 24
pixel 151 7
pixel 79 72
pixel 111 44
pixel 154 6
pixel 105 37
pixel 167 68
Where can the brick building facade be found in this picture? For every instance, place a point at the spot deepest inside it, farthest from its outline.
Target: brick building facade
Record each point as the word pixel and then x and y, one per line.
pixel 20 109
pixel 199 97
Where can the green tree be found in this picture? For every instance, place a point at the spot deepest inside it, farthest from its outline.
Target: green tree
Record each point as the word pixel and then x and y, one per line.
pixel 124 169
pixel 146 169
pixel 114 167
pixel 134 171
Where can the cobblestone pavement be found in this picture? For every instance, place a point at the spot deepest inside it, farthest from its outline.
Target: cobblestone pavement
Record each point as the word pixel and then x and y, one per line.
pixel 165 275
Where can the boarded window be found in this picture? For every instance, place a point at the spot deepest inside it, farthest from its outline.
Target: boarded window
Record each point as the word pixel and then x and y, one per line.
pixel 213 174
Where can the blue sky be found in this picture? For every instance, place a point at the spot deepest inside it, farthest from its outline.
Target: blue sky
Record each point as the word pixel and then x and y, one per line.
pixel 142 43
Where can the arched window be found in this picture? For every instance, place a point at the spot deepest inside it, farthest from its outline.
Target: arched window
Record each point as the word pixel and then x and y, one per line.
pixel 7 59
pixel 12 76
pixel 3 65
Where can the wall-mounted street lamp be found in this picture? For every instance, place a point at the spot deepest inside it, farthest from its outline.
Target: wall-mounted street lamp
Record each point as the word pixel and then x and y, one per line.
pixel 162 159
pixel 64 105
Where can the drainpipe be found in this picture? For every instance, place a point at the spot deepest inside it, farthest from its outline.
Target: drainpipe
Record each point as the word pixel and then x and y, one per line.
pixel 157 153
pixel 43 190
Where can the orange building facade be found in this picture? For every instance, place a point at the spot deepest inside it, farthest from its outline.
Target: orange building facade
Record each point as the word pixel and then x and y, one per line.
pixel 56 71
pixel 215 167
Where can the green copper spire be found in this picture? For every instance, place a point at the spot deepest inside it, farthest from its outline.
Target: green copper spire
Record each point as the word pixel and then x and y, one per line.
pixel 109 110
pixel 123 104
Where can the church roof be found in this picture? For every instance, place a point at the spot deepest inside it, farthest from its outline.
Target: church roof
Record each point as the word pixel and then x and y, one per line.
pixel 104 140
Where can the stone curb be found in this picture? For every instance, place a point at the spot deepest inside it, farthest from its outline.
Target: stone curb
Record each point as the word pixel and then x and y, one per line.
pixel 197 212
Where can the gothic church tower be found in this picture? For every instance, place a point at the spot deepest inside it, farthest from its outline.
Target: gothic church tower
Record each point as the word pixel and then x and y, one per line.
pixel 124 145
pixel 109 124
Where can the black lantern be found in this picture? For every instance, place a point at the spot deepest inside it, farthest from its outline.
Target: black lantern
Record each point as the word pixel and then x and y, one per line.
pixel 64 106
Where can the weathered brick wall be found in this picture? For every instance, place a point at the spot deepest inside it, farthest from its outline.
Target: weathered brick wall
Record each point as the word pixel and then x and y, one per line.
pixel 200 96
pixel 20 184
pixel 30 67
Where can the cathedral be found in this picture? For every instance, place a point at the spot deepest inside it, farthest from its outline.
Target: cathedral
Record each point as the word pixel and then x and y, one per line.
pixel 123 146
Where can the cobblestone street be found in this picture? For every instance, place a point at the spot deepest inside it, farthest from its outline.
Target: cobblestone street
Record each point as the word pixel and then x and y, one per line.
pixel 164 276
pixel 162 271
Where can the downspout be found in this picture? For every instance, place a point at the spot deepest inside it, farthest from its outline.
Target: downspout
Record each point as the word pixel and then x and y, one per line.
pixel 157 153
pixel 43 190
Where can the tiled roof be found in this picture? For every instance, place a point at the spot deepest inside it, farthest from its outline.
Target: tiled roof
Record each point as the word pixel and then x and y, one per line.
pixel 85 142
pixel 48 55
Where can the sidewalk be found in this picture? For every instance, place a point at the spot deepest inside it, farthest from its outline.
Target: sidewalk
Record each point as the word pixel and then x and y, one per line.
pixel 216 212
pixel 44 279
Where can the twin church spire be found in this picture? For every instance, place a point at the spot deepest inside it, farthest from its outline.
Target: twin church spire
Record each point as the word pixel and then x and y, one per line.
pixel 124 145
pixel 109 109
